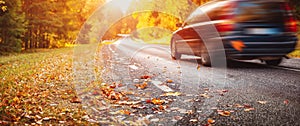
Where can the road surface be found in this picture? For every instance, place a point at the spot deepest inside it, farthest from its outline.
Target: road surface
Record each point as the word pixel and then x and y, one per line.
pixel 243 93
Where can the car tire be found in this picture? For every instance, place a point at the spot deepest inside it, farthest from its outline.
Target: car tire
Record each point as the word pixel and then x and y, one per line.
pixel 205 58
pixel 174 54
pixel 274 62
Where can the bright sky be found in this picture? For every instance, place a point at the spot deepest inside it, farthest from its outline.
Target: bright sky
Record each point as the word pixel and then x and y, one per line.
pixel 122 4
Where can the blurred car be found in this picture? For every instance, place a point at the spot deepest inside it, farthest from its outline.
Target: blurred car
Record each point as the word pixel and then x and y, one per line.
pixel 248 29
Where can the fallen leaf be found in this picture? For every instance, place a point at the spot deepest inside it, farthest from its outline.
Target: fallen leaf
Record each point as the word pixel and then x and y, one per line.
pixel 129 93
pixel 112 86
pixel 188 100
pixel 210 121
pixel 224 91
pixel 204 95
pixel 198 67
pixel 193 120
pixel 138 106
pixel 157 101
pixel 128 102
pixel 171 94
pixel 174 108
pixel 248 109
pixel 221 92
pixel 126 112
pixel 286 101
pixel 141 86
pixel 223 113
pixel 145 77
pixel 115 95
pixel 163 107
pixel 16 100
pixel 262 102
pixel 247 106
pixel 169 81
pixel 154 109
pixel 75 100
pixel 40 122
pixel 238 106
pixel 62 122
pixel 238 45
pixel 148 101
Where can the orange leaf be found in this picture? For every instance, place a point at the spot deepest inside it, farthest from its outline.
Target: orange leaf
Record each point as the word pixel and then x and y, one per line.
pixel 238 45
pixel 162 107
pixel 115 96
pixel 75 100
pixel 141 86
pixel 157 101
pixel 224 113
pixel 210 121
pixel 16 100
pixel 126 112
pixel 169 81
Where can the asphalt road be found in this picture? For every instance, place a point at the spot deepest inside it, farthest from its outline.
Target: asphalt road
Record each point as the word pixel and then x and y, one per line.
pixel 243 93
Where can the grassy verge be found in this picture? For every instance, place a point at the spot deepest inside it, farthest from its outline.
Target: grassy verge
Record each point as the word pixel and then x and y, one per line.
pixel 36 88
pixel 296 53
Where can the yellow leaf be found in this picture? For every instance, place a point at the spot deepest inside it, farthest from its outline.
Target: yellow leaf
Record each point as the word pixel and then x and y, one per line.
pixel 157 101
pixel 126 112
pixel 171 94
pixel 262 102
pixel 16 100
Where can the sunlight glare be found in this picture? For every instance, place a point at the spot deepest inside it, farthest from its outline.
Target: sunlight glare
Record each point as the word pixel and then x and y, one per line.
pixel 122 4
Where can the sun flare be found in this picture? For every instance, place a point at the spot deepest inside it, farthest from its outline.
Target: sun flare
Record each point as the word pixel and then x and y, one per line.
pixel 122 4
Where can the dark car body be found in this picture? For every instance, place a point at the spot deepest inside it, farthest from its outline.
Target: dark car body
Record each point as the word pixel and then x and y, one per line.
pixel 247 29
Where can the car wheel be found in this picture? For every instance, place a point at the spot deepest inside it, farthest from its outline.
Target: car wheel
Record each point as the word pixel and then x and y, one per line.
pixel 274 62
pixel 174 54
pixel 205 58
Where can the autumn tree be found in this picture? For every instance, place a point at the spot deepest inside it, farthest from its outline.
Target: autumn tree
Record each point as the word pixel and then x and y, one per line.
pixel 53 23
pixel 12 26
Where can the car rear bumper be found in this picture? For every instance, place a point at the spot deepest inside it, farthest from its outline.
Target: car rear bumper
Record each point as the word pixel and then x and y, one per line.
pixel 259 46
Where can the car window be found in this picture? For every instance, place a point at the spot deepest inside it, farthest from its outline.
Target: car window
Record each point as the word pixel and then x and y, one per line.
pixel 206 12
pixel 257 10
